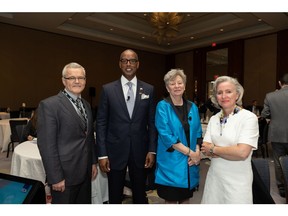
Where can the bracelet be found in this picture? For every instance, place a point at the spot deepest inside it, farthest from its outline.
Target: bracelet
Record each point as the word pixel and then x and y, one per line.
pixel 211 150
pixel 188 152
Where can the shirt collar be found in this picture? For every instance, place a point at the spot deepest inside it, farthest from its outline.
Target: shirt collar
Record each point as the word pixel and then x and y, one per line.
pixel 73 96
pixel 124 81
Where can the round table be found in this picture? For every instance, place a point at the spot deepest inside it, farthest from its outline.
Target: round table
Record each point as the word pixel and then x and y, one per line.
pixel 4 115
pixel 26 161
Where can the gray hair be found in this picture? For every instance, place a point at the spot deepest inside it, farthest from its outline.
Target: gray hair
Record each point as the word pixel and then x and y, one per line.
pixel 72 65
pixel 171 75
pixel 238 86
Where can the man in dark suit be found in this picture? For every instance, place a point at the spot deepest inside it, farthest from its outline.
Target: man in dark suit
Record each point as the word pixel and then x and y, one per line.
pixel 124 141
pixel 65 138
pixel 255 108
pixel 275 109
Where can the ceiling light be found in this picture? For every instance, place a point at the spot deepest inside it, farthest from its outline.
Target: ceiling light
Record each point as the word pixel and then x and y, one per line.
pixel 165 24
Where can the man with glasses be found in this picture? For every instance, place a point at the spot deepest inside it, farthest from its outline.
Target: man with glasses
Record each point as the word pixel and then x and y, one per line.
pixel 65 138
pixel 126 134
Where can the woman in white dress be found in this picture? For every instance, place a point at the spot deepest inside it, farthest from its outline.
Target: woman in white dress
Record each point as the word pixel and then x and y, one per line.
pixel 231 136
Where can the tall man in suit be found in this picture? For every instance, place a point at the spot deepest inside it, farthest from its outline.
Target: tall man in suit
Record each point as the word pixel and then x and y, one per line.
pixel 275 108
pixel 123 140
pixel 66 140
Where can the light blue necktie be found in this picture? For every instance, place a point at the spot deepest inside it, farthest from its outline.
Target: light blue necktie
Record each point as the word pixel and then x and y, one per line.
pixel 130 99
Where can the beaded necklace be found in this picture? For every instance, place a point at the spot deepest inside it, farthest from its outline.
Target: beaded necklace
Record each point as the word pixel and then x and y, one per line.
pixel 223 119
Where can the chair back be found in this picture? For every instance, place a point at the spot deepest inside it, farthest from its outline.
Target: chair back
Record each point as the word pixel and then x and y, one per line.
pixel 17 133
pixel 284 166
pixel 262 167
pixel 261 181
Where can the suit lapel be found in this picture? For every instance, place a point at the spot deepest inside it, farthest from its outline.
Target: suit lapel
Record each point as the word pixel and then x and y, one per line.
pixel 70 108
pixel 118 90
pixel 137 97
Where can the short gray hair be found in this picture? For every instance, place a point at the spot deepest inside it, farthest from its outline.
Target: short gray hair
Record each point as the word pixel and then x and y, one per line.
pixel 72 65
pixel 238 86
pixel 171 75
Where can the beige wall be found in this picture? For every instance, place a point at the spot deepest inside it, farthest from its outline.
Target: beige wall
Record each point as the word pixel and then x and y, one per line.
pixel 259 68
pixel 32 61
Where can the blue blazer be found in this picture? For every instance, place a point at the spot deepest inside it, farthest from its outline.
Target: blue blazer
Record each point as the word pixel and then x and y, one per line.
pixel 172 166
pixel 116 134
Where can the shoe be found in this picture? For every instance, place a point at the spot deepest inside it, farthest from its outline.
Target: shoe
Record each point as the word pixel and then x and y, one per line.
pixel 282 192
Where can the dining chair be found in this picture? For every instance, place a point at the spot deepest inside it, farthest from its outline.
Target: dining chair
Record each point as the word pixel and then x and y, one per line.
pixel 263 137
pixel 261 181
pixel 284 167
pixel 17 128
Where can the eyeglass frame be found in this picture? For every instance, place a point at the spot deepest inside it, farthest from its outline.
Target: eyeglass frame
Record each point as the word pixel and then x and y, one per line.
pixel 131 61
pixel 72 78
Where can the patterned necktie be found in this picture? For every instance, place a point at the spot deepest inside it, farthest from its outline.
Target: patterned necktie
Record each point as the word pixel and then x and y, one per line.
pixel 82 112
pixel 130 99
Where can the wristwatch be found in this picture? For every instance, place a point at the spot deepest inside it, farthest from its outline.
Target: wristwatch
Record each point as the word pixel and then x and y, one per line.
pixel 211 150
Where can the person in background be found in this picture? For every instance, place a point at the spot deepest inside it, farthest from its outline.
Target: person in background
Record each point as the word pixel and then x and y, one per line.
pixel 231 136
pixel 255 108
pixel 178 155
pixel 126 133
pixel 65 138
pixel 30 131
pixel 275 109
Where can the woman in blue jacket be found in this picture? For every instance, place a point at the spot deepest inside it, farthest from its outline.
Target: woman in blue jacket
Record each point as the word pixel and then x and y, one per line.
pixel 178 156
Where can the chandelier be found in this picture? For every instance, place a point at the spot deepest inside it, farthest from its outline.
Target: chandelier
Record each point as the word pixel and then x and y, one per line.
pixel 165 24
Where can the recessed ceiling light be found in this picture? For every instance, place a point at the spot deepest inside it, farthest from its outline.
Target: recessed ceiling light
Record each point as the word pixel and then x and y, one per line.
pixel 111 29
pixel 143 37
pixel 221 29
pixel 259 20
pixel 191 37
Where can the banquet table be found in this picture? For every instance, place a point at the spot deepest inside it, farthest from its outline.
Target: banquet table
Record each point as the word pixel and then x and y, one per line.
pixel 26 162
pixel 5 132
pixel 4 115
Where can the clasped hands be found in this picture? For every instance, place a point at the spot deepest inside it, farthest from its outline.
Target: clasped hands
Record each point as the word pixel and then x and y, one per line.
pixel 194 158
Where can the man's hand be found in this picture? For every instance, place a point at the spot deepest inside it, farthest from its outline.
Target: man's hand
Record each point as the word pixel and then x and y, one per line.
pixel 150 160
pixel 104 165
pixel 60 186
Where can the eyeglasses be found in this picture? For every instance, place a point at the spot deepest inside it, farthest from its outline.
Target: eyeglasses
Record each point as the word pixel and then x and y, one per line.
pixel 132 61
pixel 75 78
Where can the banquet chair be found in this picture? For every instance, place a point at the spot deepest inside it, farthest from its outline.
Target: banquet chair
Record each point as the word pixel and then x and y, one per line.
pixel 17 128
pixel 284 167
pixel 263 137
pixel 261 181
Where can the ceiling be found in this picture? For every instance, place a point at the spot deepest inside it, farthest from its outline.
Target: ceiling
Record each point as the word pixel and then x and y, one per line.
pixel 133 30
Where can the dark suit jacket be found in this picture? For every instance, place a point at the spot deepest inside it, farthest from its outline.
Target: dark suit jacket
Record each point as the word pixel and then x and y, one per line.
pixel 67 151
pixel 117 134
pixel 250 108
pixel 275 108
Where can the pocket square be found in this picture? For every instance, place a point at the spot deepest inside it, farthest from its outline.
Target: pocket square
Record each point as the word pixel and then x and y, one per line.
pixel 144 96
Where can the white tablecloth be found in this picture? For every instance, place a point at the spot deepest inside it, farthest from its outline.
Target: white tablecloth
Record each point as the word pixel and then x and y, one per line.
pixel 5 133
pixel 100 188
pixel 4 115
pixel 26 162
